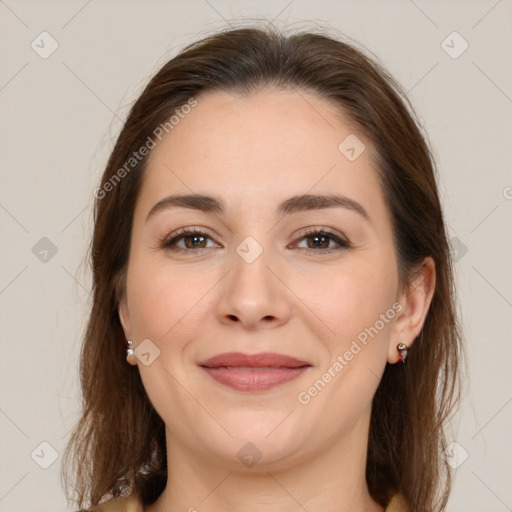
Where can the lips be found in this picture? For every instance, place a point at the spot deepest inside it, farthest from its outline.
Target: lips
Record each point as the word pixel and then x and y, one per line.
pixel 262 360
pixel 256 372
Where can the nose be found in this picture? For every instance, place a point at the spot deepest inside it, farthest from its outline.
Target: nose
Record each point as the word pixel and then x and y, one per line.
pixel 254 295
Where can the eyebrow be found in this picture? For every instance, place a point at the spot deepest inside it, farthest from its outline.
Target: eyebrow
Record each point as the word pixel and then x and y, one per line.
pixel 294 204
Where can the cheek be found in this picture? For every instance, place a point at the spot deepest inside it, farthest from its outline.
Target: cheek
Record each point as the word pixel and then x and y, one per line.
pixel 351 303
pixel 162 300
pixel 353 299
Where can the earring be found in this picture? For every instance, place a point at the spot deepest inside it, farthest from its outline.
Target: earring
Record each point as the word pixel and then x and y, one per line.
pixel 402 348
pixel 130 355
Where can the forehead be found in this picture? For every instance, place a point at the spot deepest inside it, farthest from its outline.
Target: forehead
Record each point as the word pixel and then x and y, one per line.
pixel 262 146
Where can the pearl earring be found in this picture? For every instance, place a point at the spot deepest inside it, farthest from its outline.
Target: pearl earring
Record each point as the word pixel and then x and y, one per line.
pixel 130 355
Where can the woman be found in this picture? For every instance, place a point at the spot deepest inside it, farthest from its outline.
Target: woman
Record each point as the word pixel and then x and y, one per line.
pixel 273 325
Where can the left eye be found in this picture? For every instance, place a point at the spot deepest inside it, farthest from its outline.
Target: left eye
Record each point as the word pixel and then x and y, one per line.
pixel 321 240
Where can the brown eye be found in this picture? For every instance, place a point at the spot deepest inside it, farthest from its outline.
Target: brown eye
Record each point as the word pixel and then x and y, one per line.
pixel 192 238
pixel 321 241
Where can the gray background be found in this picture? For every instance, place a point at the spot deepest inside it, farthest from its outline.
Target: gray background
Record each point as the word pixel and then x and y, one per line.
pixel 60 116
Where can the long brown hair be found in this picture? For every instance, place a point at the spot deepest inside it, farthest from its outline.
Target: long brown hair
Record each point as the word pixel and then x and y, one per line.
pixel 119 445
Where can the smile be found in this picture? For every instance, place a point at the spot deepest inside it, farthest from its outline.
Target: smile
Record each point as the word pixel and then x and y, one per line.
pixel 258 372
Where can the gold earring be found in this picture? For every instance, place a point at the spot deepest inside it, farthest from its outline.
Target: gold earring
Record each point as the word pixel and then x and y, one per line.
pixel 402 348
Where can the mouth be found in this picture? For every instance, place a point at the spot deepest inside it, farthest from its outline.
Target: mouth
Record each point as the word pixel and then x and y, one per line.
pixel 257 372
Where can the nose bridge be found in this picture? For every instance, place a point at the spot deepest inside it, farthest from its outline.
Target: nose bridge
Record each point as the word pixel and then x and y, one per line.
pixel 252 293
pixel 251 261
pixel 251 277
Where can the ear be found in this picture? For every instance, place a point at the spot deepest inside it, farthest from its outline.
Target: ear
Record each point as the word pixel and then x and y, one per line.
pixel 415 301
pixel 124 317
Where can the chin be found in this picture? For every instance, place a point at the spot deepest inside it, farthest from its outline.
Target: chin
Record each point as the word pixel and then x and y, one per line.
pixel 258 455
pixel 260 441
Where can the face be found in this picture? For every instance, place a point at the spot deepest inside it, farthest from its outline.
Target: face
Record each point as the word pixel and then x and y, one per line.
pixel 311 281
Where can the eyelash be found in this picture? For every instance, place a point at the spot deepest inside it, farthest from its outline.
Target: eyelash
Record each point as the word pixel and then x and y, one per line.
pixel 169 243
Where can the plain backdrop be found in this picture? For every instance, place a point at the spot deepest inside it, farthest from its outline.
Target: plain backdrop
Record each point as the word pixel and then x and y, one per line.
pixel 63 97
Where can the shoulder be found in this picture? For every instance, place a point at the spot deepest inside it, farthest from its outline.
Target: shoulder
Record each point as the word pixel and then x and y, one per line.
pixel 129 504
pixel 397 504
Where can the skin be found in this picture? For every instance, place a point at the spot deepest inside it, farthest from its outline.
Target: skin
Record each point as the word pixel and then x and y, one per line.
pixel 254 152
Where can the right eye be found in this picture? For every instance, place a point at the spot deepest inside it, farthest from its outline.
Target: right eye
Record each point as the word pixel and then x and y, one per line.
pixel 193 239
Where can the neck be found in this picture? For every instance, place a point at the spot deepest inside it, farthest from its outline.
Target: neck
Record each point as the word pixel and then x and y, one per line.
pixel 332 480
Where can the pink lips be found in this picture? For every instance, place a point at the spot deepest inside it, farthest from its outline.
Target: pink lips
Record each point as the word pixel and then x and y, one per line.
pixel 257 372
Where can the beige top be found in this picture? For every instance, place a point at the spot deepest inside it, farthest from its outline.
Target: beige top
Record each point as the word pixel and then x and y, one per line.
pixel 131 504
